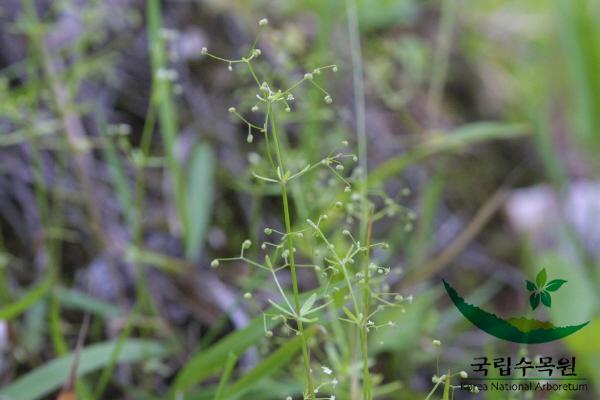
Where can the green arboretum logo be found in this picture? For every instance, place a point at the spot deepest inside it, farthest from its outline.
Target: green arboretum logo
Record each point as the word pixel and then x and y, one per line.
pixel 522 329
pixel 541 290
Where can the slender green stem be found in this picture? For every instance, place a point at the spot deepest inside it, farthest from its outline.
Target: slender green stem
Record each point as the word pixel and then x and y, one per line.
pixel 290 243
pixel 361 133
pixel 441 57
pixel 229 365
pixel 432 391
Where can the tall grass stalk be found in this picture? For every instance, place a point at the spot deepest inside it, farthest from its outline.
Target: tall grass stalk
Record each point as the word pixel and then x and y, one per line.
pixel 361 134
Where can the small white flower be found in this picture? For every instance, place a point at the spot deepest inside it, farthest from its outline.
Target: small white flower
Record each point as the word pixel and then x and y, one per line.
pixel 214 263
pixel 247 295
pixel 253 158
pixel 464 375
pixel 335 68
pixel 326 370
pixel 436 342
pixel 246 244
pixel 263 22
pixel 328 99
pixel 308 76
pixel 204 51
pixel 231 109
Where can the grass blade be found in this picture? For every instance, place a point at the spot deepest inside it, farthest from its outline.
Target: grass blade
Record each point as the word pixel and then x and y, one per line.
pixel 71 298
pixel 50 376
pixel 208 361
pixel 269 365
pixel 33 296
pixel 167 112
pixel 578 27
pixel 457 139
pixel 231 360
pixel 200 197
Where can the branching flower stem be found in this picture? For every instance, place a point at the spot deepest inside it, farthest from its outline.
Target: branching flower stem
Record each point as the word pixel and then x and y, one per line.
pixel 290 243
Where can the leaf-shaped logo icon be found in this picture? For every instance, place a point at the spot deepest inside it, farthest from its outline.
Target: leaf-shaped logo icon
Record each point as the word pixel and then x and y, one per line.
pixel 540 279
pixel 534 300
pixel 554 285
pixel 546 299
pixel 540 290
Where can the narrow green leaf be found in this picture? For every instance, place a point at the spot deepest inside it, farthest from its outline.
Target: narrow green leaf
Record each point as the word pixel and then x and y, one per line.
pixel 117 172
pixel 274 362
pixel 71 298
pixel 541 277
pixel 162 91
pixel 531 286
pixel 308 304
pixel 280 308
pixel 578 28
pixel 554 285
pixel 231 360
pixel 349 314
pixel 444 142
pixel 207 361
pixel 51 376
pixel 200 188
pixel 30 298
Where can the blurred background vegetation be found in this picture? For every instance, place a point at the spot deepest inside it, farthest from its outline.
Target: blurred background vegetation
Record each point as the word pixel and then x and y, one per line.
pixel 122 175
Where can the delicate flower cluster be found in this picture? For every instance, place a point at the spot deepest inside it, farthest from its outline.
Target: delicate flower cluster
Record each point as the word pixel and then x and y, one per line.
pixel 446 379
pixel 337 261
